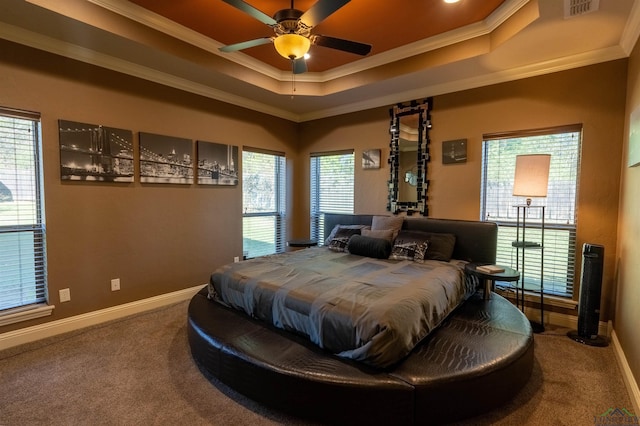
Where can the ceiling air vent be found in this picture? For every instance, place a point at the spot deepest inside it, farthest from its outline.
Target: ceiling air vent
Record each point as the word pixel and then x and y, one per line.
pixel 574 8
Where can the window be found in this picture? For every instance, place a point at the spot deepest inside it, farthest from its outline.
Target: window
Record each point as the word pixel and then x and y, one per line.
pixel 498 167
pixel 331 187
pixel 263 202
pixel 23 272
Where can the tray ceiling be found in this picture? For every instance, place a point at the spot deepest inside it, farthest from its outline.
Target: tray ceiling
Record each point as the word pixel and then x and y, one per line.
pixel 420 47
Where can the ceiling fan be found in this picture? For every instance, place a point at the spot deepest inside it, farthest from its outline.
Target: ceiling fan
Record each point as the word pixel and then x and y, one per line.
pixel 292 28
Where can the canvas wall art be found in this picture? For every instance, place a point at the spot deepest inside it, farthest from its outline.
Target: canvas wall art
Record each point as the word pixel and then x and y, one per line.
pixel 217 164
pixel 454 151
pixel 371 159
pixel 92 152
pixel 165 159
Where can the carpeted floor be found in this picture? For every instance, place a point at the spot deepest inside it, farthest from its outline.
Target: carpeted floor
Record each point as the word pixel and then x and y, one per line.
pixel 139 371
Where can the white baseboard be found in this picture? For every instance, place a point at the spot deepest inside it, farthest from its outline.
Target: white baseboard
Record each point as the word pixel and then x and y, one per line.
pixel 41 331
pixel 627 375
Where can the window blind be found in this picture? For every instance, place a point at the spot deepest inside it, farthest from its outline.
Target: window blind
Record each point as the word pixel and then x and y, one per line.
pixel 332 179
pixel 263 202
pixel 22 225
pixel 498 169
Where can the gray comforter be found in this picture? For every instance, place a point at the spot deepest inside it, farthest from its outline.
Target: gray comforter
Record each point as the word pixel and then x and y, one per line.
pixel 370 310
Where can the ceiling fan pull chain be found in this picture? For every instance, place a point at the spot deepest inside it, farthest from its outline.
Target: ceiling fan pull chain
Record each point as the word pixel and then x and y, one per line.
pixel 293 77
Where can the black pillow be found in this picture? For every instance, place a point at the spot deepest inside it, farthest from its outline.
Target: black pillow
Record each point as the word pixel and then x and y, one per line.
pixel 379 248
pixel 440 246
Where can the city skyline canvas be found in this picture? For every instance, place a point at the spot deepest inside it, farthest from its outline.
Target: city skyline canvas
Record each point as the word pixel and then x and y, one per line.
pixel 165 159
pixel 217 163
pixel 92 152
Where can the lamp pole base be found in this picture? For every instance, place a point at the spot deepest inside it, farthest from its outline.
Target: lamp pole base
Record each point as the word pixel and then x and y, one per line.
pixel 600 341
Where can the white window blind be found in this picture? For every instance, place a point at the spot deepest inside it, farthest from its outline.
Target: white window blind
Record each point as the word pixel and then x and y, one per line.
pixel 331 187
pixel 22 226
pixel 498 168
pixel 263 202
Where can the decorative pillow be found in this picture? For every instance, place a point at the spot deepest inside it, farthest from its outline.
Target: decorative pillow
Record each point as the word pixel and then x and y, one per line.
pixel 386 234
pixel 421 252
pixel 418 239
pixel 379 248
pixel 403 250
pixel 341 239
pixel 387 222
pixel 332 234
pixel 439 246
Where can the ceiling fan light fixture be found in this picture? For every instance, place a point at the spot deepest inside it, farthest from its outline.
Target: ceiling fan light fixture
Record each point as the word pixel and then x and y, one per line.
pixel 292 46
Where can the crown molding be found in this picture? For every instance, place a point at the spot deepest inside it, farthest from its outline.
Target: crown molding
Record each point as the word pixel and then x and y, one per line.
pixel 469 32
pixel 152 20
pixel 55 46
pixel 72 51
pixel 631 30
pixel 157 22
pixel 487 79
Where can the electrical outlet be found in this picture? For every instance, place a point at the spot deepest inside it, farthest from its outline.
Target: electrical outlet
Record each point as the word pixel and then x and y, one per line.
pixel 65 295
pixel 236 259
pixel 115 284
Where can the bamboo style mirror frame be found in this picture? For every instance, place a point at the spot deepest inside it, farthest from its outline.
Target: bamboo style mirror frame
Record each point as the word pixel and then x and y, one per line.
pixel 409 155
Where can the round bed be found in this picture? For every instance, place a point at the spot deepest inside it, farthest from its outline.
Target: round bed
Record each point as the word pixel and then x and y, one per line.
pixel 479 357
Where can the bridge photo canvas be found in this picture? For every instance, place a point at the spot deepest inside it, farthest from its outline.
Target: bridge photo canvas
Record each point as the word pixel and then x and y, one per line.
pixel 92 152
pixel 217 164
pixel 165 159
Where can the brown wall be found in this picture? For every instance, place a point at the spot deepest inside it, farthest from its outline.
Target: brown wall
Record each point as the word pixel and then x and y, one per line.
pixel 358 131
pixel 156 238
pixel 161 238
pixel 627 314
pixel 593 96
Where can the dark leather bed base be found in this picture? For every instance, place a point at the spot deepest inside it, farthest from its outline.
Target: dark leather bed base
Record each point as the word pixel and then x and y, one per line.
pixel 480 357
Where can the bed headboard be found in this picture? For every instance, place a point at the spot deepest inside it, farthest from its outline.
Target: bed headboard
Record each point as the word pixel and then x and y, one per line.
pixel 475 241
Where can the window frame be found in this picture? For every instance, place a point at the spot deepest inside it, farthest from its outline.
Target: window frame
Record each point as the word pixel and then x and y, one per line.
pixel 318 202
pixel 555 282
pixel 278 213
pixel 32 284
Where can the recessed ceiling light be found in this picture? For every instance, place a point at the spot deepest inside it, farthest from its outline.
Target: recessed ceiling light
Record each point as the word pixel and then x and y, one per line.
pixel 451 1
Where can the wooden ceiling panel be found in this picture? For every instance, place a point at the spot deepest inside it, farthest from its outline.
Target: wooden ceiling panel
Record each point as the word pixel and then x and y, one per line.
pixel 383 24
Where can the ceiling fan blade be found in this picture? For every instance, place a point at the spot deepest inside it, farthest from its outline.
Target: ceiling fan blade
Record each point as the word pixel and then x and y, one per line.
pixel 341 44
pixel 252 11
pixel 299 66
pixel 321 11
pixel 245 44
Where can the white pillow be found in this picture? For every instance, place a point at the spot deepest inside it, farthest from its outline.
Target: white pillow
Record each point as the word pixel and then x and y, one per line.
pixel 387 222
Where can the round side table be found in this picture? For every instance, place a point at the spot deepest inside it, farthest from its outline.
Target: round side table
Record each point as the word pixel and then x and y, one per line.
pixel 489 280
pixel 298 244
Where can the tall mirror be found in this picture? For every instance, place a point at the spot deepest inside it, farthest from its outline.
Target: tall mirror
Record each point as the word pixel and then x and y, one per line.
pixel 409 154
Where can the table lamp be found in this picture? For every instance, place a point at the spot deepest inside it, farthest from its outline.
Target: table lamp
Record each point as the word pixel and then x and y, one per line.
pixel 532 176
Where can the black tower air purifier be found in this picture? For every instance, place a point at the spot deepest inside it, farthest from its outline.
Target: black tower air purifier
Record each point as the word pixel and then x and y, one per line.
pixel 589 303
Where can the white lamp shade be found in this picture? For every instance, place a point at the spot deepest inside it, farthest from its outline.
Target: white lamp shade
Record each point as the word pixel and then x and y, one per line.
pixel 532 175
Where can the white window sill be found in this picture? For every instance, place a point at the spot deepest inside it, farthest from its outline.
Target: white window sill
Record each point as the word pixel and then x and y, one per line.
pixel 25 313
